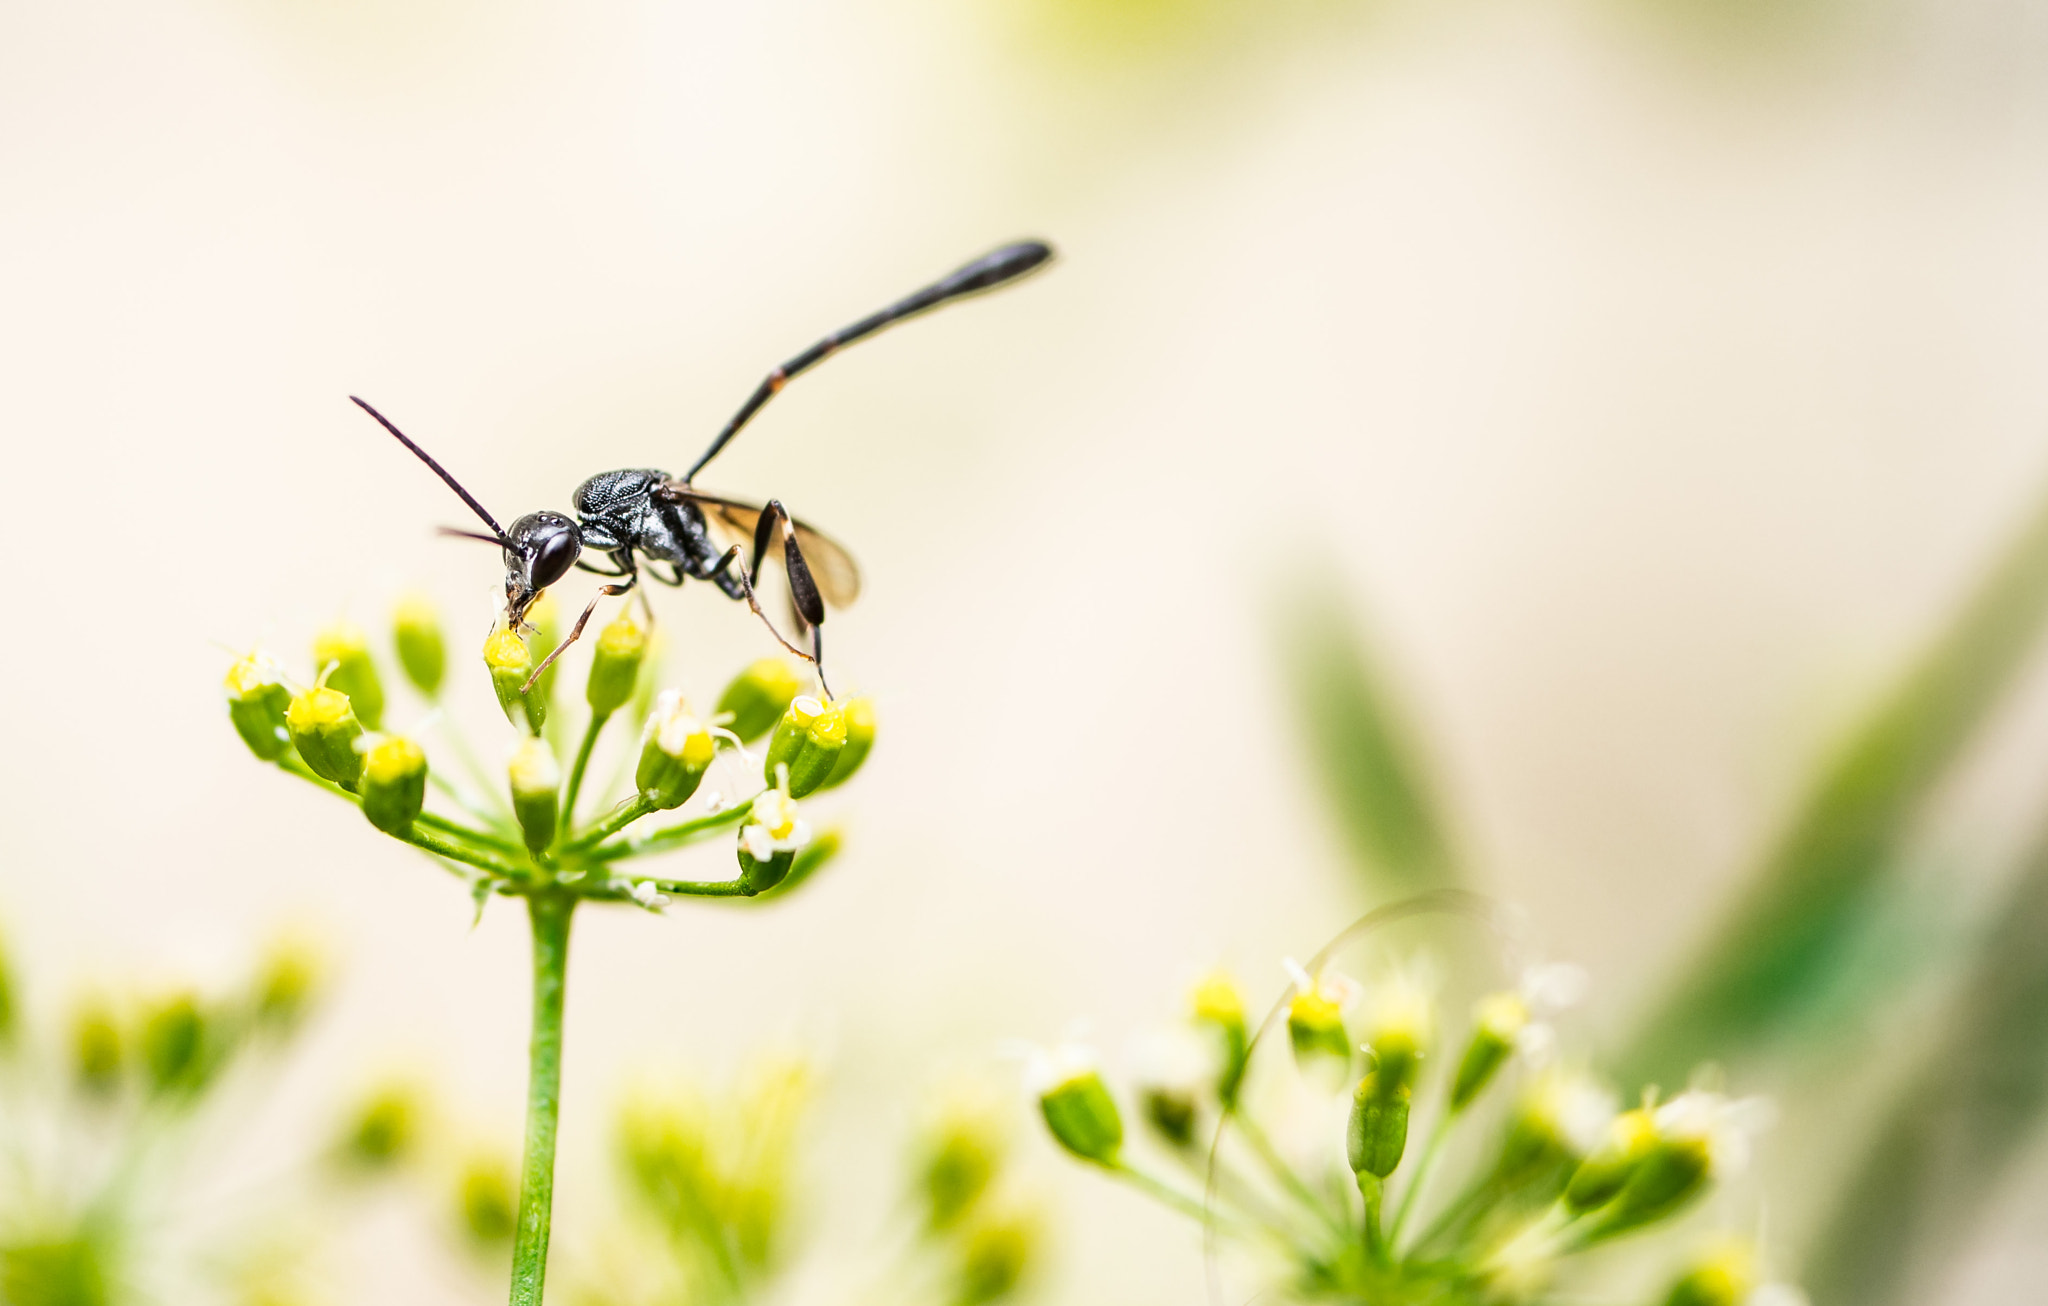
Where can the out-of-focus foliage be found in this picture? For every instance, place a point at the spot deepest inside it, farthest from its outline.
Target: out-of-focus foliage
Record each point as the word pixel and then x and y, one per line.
pixel 1777 948
pixel 1360 747
pixel 1956 1128
pixel 1822 931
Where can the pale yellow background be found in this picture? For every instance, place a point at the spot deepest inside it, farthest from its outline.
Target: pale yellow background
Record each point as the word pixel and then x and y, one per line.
pixel 1653 385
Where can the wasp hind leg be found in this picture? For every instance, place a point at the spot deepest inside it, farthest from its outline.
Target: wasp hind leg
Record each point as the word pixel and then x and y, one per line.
pixel 803 590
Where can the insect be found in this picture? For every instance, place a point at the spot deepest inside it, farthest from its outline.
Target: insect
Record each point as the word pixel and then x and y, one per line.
pixel 640 516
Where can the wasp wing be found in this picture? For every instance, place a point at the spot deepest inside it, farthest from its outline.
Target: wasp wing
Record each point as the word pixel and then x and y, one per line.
pixel 832 567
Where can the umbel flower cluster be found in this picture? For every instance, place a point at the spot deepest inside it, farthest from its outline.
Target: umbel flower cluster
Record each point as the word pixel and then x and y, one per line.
pixel 525 832
pixel 1324 1164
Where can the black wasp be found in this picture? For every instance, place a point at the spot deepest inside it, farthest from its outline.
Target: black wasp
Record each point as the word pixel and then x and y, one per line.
pixel 639 513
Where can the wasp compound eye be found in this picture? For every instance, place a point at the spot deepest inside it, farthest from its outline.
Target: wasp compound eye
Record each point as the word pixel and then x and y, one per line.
pixel 548 544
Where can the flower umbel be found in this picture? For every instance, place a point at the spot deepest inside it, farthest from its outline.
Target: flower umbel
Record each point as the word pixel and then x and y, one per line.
pixel 520 835
pixel 1566 1174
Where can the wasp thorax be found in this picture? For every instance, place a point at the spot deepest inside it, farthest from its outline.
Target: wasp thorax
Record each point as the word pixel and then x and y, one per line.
pixel 542 548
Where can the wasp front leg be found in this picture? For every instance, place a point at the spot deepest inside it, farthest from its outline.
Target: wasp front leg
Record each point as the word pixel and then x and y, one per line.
pixel 632 577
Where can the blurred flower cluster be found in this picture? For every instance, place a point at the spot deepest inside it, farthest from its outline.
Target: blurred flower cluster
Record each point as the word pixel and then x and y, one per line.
pixel 523 830
pixel 1326 1165
pixel 104 1119
pixel 708 1195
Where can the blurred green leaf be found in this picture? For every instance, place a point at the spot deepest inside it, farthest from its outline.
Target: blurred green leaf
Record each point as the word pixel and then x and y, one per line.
pixel 1360 747
pixel 1777 948
pixel 1935 1162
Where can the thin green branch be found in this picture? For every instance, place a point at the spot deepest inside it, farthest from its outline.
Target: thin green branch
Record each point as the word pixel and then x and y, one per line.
pixel 674 836
pixel 1282 1172
pixel 582 763
pixel 620 817
pixel 550 914
pixel 1431 1152
pixel 455 852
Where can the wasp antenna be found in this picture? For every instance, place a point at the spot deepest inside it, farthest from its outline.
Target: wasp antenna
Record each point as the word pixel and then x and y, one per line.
pixel 985 273
pixel 498 535
pixel 461 534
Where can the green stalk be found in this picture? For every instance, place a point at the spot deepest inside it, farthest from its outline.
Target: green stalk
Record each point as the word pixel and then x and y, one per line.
pixel 583 750
pixel 674 836
pixel 550 913
pixel 626 814
pixel 1430 1152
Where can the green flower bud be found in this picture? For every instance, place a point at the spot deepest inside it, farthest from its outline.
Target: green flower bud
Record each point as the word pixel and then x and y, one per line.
pixel 344 645
pixel 1497 1022
pixel 758 696
pixel 173 1043
pixel 1607 1171
pixel 324 729
pixel 960 1156
pixel 1378 1130
pixel 1171 1113
pixel 545 617
pixel 770 840
pixel 416 633
pixel 394 784
pixel 675 750
pixel 536 788
pixel 257 700
pixel 9 1012
pixel 1671 1173
pixel 1726 1276
pixel 511 664
pixel 286 984
pixel 859 714
pixel 1219 1006
pixel 994 1259
pixel 384 1129
pixel 1082 1115
pixel 488 1198
pixel 615 665
pixel 96 1047
pixel 1561 1119
pixel 1398 1030
pixel 808 741
pixel 1315 1029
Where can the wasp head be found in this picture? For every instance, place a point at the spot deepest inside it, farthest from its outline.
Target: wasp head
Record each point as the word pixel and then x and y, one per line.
pixel 540 549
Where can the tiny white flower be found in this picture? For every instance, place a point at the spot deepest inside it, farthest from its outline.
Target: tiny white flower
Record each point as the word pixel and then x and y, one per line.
pixel 1551 987
pixel 776 826
pixel 644 893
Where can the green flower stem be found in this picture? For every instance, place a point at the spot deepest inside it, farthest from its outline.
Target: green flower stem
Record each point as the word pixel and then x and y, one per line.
pixel 459 796
pixel 1282 1172
pixel 583 750
pixel 1373 1189
pixel 455 852
pixel 491 787
pixel 620 818
pixel 1160 1191
pixel 1480 1195
pixel 550 913
pixel 1431 1151
pixel 483 838
pixel 703 888
pixel 675 836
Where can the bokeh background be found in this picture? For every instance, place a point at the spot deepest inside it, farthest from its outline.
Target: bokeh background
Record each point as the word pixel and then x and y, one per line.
pixel 1650 382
